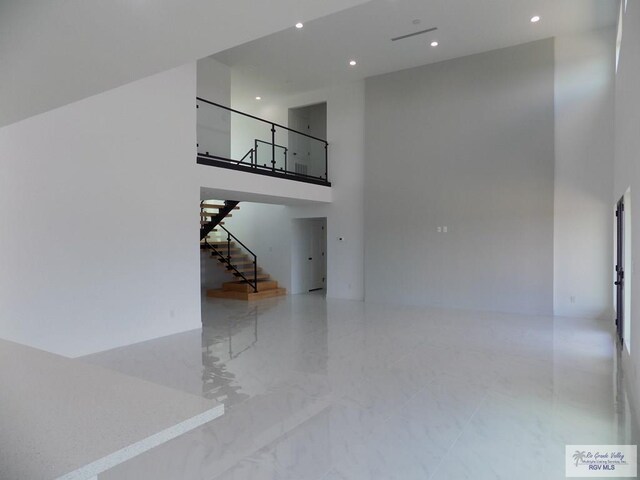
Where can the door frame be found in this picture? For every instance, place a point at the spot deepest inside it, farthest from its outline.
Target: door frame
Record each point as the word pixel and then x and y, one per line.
pixel 619 270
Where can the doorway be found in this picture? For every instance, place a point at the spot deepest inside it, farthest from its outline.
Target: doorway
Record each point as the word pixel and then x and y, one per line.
pixel 309 257
pixel 306 154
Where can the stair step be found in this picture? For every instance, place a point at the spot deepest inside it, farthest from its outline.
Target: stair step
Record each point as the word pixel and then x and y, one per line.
pixel 217 206
pixel 261 276
pixel 247 296
pixel 214 243
pixel 233 251
pixel 205 222
pixel 245 287
pixel 244 270
pixel 219 244
pixel 213 214
pixel 243 263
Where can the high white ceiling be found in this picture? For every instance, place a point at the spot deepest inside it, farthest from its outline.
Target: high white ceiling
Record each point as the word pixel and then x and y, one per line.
pixel 317 56
pixel 53 52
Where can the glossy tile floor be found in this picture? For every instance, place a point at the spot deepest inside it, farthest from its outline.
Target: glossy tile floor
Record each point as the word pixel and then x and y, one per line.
pixel 331 390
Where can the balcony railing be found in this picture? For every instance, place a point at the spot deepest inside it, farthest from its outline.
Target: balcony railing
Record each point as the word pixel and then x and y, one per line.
pixel 232 139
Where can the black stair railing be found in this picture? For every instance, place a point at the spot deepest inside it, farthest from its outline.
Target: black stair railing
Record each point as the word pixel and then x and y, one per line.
pixel 223 251
pixel 308 163
pixel 249 154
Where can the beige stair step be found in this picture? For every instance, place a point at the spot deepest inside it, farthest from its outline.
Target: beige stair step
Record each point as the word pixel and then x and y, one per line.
pixel 245 268
pixel 261 276
pixel 234 252
pixel 241 262
pixel 246 271
pixel 247 296
pixel 245 287
pixel 216 206
pixel 208 214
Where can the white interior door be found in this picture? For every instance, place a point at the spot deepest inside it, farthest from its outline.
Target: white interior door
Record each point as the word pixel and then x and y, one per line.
pixel 308 255
pixel 316 257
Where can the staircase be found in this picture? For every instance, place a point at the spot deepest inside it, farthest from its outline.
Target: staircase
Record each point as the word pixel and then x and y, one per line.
pixel 250 282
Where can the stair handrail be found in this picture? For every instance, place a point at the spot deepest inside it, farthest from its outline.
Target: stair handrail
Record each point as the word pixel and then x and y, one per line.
pixel 273 124
pixel 206 158
pixel 249 153
pixel 227 259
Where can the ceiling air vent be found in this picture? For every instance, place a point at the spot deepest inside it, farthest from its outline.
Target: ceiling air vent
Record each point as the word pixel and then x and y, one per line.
pixel 421 32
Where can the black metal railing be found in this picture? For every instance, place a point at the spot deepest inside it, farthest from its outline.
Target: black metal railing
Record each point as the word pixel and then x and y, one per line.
pixel 234 258
pixel 277 151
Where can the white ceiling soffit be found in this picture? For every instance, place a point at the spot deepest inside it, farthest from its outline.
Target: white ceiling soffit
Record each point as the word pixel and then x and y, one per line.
pixel 317 56
pixel 56 52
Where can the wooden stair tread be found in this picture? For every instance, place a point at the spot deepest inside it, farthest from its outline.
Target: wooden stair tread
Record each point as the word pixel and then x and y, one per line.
pixel 261 276
pixel 216 206
pixel 225 251
pixel 246 273
pixel 247 296
pixel 245 287
pixel 207 214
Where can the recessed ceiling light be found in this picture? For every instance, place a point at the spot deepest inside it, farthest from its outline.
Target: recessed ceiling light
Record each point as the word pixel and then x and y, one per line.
pixel 416 21
pixel 299 25
pixel 535 19
pixel 353 63
pixel 258 98
pixel 434 44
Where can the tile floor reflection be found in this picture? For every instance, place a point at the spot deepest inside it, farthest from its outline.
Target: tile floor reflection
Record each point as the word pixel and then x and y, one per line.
pixel 319 389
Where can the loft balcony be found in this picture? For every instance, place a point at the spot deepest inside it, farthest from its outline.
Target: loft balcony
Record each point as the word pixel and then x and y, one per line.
pixel 231 139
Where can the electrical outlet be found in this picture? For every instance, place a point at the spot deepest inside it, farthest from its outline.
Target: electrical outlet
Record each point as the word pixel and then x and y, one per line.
pixel 572 299
pixel 439 229
pixel 445 229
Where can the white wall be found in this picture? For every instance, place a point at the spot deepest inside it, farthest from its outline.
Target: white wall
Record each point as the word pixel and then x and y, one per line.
pixel 54 53
pixel 214 81
pixel 272 224
pixel 584 136
pixel 627 166
pixel 99 205
pixel 467 144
